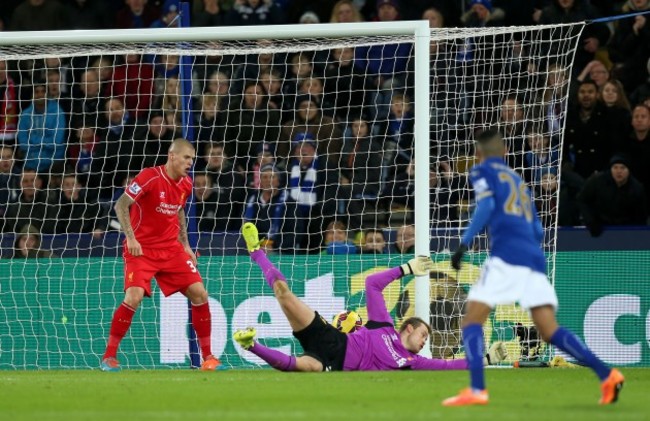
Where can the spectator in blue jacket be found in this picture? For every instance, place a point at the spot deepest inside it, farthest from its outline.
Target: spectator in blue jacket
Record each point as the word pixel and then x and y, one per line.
pixel 41 131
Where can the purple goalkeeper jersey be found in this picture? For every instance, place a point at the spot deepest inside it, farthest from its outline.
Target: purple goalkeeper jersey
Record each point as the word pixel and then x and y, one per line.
pixel 380 348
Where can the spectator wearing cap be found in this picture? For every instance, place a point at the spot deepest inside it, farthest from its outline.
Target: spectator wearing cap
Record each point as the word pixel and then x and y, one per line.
pixel 312 185
pixel 255 12
pixel 482 13
pixel 41 130
pixel 387 10
pixel 168 16
pixel 637 146
pixel 613 197
pixel 310 119
pixel 274 213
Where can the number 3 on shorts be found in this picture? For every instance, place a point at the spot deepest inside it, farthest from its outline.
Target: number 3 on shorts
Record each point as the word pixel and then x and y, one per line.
pixel 191 265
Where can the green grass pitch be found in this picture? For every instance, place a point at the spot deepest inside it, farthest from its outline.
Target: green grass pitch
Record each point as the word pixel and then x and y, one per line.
pixel 524 394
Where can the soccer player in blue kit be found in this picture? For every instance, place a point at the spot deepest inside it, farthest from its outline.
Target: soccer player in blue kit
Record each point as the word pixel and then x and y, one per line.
pixel 514 272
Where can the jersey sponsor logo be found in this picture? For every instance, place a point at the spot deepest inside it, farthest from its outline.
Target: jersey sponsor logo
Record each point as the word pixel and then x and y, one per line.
pixel 135 188
pixel 481 186
pixel 167 209
pixel 399 360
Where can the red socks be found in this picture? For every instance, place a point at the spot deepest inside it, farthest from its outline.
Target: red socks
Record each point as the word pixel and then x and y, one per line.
pixel 202 322
pixel 119 326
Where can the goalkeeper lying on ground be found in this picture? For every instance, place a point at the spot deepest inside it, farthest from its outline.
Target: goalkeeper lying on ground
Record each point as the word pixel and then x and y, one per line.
pixel 378 346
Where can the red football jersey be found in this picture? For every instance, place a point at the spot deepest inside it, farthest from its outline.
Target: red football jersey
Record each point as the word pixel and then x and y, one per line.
pixel 158 198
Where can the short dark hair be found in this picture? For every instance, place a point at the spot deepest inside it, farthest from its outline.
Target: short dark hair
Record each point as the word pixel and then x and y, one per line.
pixel 206 174
pixel 415 322
pixel 374 231
pixel 588 82
pixel 487 135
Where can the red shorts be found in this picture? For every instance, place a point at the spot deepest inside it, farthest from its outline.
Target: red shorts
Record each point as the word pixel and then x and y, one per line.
pixel 172 268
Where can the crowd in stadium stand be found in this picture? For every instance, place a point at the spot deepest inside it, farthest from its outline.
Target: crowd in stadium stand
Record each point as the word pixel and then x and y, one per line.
pixel 316 146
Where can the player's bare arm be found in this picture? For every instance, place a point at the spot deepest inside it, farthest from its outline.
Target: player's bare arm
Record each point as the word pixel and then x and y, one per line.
pixel 183 237
pixel 122 211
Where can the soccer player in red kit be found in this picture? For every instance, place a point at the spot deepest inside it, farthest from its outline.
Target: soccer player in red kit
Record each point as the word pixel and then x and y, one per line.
pixel 151 213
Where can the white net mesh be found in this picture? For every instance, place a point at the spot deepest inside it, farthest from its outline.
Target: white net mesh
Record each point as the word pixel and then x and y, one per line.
pixel 311 139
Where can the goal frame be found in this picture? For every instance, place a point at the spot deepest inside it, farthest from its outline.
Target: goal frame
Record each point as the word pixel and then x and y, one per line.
pixel 418 29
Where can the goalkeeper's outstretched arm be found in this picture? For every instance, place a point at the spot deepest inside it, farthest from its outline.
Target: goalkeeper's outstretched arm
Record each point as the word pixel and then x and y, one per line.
pixel 375 284
pixel 496 353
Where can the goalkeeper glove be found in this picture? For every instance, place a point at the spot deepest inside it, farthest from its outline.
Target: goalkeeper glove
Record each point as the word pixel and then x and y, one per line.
pixel 458 256
pixel 496 353
pixel 421 265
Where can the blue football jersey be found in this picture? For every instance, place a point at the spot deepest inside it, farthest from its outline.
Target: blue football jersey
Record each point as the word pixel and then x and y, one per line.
pixel 513 227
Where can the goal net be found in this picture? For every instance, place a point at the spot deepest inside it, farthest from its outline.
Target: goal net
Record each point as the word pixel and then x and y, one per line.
pixel 312 138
